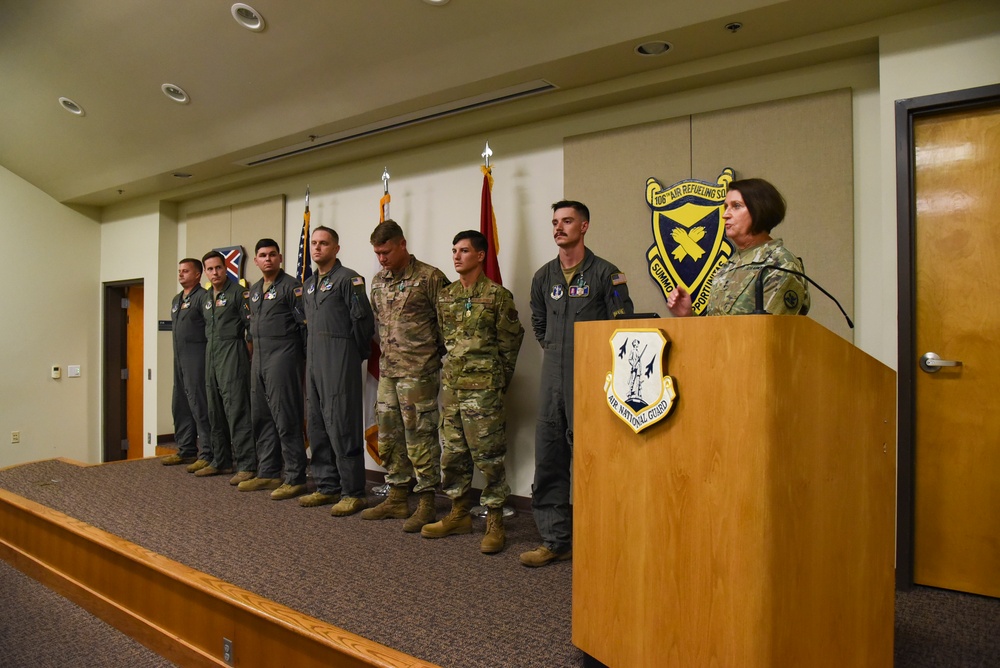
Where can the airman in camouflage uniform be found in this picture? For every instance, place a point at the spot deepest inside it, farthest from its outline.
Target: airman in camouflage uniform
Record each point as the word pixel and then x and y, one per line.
pixel 753 208
pixel 404 296
pixel 482 335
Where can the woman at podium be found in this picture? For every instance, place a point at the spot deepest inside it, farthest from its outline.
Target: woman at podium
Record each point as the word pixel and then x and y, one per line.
pixel 753 208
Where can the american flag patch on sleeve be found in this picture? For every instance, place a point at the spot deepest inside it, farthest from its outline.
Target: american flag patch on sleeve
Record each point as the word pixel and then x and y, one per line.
pixel 617 279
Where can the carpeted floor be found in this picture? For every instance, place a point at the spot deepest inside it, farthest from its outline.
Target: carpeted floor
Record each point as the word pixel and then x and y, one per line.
pixel 40 629
pixel 431 594
pixel 946 629
pixel 440 600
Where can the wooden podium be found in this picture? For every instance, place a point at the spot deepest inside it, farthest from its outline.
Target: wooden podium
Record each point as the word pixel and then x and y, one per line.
pixel 753 526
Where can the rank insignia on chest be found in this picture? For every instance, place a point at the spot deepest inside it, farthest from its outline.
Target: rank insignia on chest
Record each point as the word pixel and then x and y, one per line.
pixel 312 289
pixel 557 292
pixel 256 297
pixel 579 291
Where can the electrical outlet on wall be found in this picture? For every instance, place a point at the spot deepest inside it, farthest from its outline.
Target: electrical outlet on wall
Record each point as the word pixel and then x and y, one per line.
pixel 15 437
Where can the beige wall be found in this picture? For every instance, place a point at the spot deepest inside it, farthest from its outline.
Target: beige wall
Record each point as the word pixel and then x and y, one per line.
pixel 167 262
pixel 130 238
pixel 801 144
pixel 959 50
pixel 51 317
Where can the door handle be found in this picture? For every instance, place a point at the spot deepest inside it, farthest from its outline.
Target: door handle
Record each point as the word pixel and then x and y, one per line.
pixel 932 362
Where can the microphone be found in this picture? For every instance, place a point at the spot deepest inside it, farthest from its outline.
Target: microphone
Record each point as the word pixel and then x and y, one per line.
pixel 759 289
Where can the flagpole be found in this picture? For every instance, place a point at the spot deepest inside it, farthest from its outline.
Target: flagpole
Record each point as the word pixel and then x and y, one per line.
pixel 383 204
pixel 487 225
pixel 383 214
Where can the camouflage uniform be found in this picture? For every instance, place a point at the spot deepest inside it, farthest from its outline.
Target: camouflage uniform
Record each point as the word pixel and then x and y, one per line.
pixel 227 381
pixel 733 286
pixel 404 307
pixel 276 327
pixel 482 336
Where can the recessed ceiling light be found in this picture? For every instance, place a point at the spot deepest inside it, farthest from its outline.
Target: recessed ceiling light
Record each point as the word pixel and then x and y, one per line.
pixel 437 3
pixel 175 93
pixel 247 16
pixel 71 106
pixel 656 48
pixel 734 26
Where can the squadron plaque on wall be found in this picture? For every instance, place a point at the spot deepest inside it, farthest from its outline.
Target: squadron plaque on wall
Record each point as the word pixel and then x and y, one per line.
pixel 636 388
pixel 689 240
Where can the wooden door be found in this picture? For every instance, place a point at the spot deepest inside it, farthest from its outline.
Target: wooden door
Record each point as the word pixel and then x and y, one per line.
pixel 136 373
pixel 957 419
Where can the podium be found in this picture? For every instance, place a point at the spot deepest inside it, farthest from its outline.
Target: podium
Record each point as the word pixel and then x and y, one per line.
pixel 752 526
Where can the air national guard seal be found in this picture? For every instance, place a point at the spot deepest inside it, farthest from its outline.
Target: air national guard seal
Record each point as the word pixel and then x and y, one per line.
pixel 636 388
pixel 689 242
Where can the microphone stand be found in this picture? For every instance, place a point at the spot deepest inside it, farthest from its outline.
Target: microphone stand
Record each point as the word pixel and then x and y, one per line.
pixel 759 290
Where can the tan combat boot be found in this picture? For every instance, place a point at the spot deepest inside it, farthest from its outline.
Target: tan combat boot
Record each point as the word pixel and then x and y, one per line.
pixel 424 514
pixel 458 521
pixel 393 508
pixel 496 535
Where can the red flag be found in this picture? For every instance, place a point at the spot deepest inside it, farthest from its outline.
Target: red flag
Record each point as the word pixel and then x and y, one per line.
pixel 488 226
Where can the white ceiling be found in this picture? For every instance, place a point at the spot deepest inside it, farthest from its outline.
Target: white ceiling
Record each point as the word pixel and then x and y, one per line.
pixel 328 66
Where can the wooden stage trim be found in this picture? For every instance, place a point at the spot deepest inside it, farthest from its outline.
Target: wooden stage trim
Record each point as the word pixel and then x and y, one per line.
pixel 176 611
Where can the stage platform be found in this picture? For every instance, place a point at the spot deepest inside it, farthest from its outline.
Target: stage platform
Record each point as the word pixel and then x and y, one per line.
pixel 180 563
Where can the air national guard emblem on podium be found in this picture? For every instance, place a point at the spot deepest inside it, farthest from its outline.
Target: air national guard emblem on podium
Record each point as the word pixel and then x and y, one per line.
pixel 689 236
pixel 636 388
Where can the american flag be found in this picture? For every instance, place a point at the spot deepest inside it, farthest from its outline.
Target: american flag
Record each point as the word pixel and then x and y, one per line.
pixel 303 267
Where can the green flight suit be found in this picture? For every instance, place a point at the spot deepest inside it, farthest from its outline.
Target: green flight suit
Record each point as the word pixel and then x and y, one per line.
pixel 277 329
pixel 227 378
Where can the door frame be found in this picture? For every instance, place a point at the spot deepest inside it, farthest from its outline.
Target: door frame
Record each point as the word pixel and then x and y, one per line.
pixel 114 397
pixel 906 112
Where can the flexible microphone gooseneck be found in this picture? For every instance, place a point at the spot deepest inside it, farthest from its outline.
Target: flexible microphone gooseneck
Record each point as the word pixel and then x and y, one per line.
pixel 759 289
